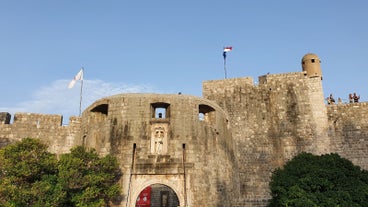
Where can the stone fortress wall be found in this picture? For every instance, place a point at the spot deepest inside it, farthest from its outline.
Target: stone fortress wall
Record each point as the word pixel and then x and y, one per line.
pixel 348 130
pixel 271 123
pixel 44 126
pixel 180 141
pixel 219 150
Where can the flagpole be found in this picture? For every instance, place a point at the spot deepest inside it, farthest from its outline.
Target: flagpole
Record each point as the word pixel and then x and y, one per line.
pixel 225 65
pixel 226 49
pixel 81 91
pixel 224 55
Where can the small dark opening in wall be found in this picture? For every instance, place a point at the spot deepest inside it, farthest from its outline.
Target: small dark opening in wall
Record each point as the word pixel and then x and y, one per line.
pixel 134 145
pixel 313 60
pixel 103 108
pixel 206 113
pixel 183 146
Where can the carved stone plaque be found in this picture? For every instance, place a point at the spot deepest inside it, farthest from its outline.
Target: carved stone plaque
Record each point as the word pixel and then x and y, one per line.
pixel 159 138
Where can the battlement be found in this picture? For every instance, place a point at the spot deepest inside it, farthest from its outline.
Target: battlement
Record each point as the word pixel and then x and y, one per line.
pixel 34 119
pixel 347 105
pixel 5 118
pixel 38 120
pixel 219 86
pixel 353 114
pixel 348 127
pixel 264 79
pixel 46 127
pixel 281 77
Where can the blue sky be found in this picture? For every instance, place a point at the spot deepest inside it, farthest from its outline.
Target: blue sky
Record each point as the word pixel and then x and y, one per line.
pixel 170 47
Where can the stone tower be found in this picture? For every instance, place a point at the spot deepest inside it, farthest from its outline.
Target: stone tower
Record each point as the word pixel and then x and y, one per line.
pixel 175 144
pixel 312 65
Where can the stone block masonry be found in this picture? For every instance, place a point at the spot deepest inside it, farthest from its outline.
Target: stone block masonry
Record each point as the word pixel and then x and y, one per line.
pixel 46 127
pixel 5 117
pixel 219 150
pixel 271 122
pixel 348 129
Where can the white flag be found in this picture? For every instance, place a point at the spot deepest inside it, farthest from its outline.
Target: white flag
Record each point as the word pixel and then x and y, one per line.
pixel 77 77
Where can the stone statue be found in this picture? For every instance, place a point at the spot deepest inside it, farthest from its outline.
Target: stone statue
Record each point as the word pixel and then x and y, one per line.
pixel 159 136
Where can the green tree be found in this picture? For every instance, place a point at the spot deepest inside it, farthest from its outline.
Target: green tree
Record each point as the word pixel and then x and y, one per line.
pixel 31 176
pixel 28 175
pixel 326 180
pixel 88 179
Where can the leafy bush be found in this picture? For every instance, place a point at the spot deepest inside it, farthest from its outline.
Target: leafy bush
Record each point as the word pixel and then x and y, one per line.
pixel 31 176
pixel 327 180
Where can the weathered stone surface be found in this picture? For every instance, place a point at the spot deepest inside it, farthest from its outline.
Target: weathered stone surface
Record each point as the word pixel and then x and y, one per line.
pixel 219 150
pixel 5 117
pixel 271 122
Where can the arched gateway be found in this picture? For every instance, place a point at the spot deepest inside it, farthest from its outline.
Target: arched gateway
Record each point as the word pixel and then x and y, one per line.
pixel 157 195
pixel 178 145
pixel 160 191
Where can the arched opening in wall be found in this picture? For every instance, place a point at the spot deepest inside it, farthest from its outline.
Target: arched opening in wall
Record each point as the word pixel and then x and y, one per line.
pixel 157 195
pixel 99 113
pixel 160 110
pixel 206 113
pixel 97 117
pixel 201 116
pixel 102 108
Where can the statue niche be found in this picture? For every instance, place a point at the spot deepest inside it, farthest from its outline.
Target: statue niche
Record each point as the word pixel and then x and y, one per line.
pixel 159 140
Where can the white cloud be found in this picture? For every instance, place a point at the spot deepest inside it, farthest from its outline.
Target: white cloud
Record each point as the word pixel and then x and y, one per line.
pixel 56 98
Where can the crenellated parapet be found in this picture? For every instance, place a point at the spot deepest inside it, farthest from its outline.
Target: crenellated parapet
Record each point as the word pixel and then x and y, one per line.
pixel 282 78
pixel 348 129
pixel 5 118
pixel 47 127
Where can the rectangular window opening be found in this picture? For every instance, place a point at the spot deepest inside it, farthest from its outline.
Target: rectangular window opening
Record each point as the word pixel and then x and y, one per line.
pixel 160 110
pixel 160 113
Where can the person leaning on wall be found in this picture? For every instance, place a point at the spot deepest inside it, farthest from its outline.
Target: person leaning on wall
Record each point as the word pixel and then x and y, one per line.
pixel 356 98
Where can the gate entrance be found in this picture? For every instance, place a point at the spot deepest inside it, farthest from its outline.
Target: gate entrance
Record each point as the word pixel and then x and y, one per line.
pixel 157 195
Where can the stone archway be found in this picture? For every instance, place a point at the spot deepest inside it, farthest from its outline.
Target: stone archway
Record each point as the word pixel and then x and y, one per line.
pixel 140 182
pixel 157 195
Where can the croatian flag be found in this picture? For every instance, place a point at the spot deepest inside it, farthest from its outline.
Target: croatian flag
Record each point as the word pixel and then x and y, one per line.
pixel 77 77
pixel 228 49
